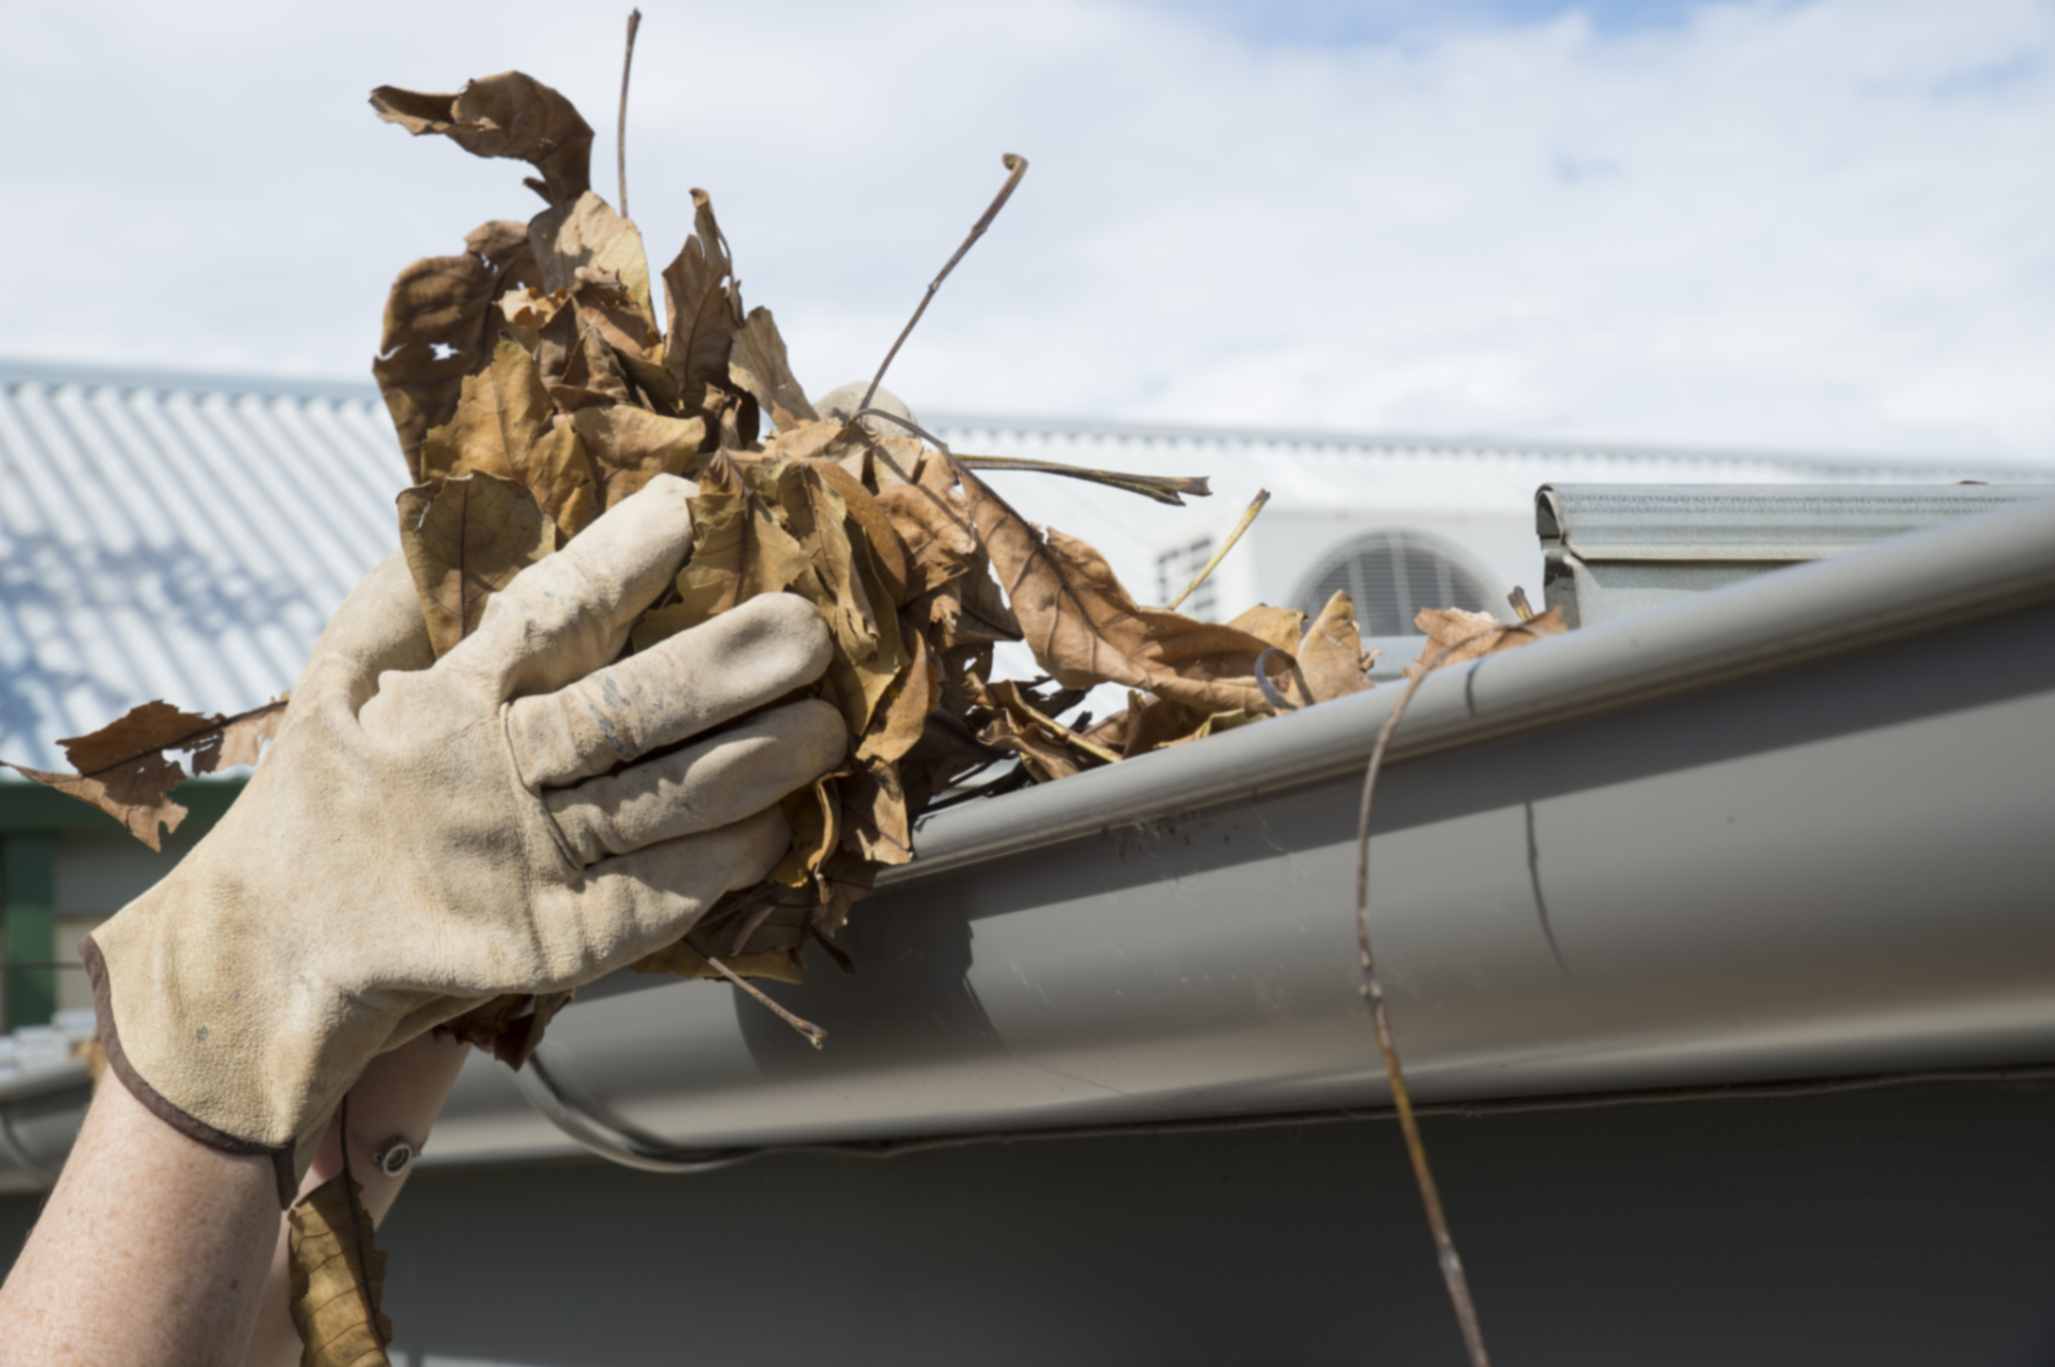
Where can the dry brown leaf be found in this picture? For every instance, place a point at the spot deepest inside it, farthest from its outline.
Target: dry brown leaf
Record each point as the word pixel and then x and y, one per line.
pixel 1458 634
pixel 1045 744
pixel 440 324
pixel 739 550
pixel 508 1026
pixel 578 367
pixel 337 1277
pixel 880 827
pixel 968 611
pixel 243 738
pixel 934 524
pixel 565 482
pixel 585 243
pixel 465 539
pixel 804 440
pixel 814 814
pixel 1278 627
pixel 138 794
pixel 705 308
pixel 871 528
pixel 1331 658
pixel 508 115
pixel 124 770
pixel 844 580
pixel 526 311
pixel 760 365
pixel 1084 627
pixel 902 713
pixel 149 729
pixel 631 446
pixel 502 412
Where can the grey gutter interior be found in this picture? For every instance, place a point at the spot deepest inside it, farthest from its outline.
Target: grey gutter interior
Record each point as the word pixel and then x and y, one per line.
pixel 1796 831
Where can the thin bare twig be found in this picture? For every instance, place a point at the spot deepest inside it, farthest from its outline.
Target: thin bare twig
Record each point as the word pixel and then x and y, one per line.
pixel 1064 733
pixel 1373 992
pixel 621 129
pixel 1168 489
pixel 1248 518
pixel 1016 167
pixel 814 1034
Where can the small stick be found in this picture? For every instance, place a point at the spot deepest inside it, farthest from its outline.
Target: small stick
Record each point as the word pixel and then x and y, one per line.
pixel 814 1034
pixel 621 131
pixel 1016 167
pixel 1248 517
pixel 1162 488
pixel 1518 598
pixel 1373 992
pixel 1065 734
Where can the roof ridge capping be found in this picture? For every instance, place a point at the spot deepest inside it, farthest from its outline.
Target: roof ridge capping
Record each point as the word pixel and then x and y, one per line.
pixel 1473 445
pixel 18 371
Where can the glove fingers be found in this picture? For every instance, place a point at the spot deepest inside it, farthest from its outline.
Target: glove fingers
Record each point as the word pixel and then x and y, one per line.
pixel 643 901
pixel 569 613
pixel 712 784
pixel 743 659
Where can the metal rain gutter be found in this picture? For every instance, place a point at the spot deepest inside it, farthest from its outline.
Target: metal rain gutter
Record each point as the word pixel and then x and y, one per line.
pixel 1794 831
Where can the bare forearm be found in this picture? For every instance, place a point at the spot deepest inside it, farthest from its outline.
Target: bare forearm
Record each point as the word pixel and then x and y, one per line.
pixel 152 1249
pixel 156 1249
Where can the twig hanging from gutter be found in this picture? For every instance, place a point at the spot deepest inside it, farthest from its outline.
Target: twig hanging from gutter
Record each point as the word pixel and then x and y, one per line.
pixel 1454 636
pixel 1394 1071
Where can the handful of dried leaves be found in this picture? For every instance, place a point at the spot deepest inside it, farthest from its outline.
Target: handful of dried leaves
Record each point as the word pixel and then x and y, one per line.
pixel 533 385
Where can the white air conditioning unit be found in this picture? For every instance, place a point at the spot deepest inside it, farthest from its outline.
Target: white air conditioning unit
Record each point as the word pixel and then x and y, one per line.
pixel 1392 562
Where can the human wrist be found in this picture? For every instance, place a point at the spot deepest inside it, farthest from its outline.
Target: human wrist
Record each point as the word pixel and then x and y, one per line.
pixel 389 1115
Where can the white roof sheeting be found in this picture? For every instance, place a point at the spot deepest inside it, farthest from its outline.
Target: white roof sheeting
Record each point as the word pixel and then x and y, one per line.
pixel 185 536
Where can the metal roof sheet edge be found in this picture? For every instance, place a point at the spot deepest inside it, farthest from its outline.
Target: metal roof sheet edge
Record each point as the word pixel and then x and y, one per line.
pixel 16 371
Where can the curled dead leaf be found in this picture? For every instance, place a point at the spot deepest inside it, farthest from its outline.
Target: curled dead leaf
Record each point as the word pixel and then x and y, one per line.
pixel 337 1278
pixel 705 309
pixel 1331 657
pixel 1455 635
pixel 124 770
pixel 758 363
pixel 1085 628
pixel 509 115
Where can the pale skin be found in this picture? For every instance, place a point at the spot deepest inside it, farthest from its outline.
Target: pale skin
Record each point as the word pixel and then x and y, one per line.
pixel 156 1249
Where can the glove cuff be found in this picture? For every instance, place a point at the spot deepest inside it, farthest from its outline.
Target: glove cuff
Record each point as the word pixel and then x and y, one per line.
pixel 285 1162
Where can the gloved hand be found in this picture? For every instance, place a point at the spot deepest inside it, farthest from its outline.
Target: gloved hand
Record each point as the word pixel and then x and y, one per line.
pixel 427 834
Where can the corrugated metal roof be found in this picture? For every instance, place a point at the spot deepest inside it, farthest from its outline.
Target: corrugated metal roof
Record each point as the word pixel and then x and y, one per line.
pixel 184 540
pixel 185 536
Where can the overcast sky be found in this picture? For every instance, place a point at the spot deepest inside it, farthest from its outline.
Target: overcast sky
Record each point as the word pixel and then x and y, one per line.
pixel 1820 225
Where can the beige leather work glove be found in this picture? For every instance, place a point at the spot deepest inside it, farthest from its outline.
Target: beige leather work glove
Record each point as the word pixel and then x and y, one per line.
pixel 424 834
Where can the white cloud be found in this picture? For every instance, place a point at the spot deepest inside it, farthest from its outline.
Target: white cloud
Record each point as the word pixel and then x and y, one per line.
pixel 1821 225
